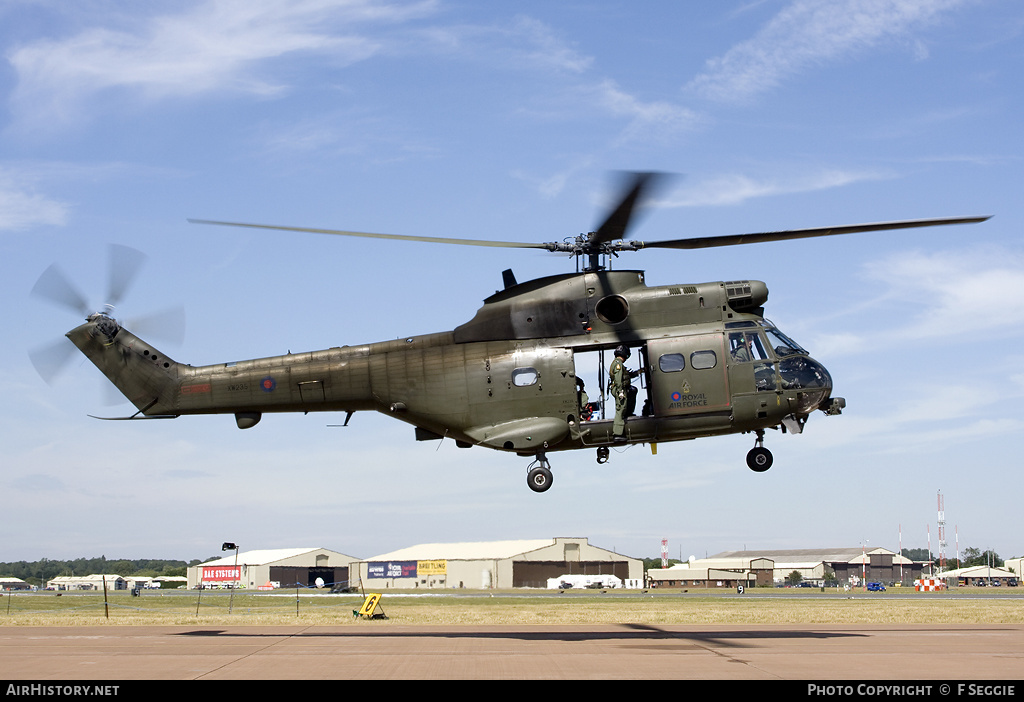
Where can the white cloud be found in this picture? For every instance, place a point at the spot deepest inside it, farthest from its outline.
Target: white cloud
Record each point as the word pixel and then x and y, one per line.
pixel 734 188
pixel 21 207
pixel 918 297
pixel 214 47
pixel 655 119
pixel 545 50
pixel 955 291
pixel 809 33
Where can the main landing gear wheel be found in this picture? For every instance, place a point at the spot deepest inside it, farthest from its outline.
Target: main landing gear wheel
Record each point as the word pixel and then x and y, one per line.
pixel 538 475
pixel 602 454
pixel 539 479
pixel 759 459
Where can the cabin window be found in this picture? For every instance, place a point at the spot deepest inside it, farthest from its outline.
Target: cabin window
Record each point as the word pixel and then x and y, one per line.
pixel 671 362
pixel 521 377
pixel 702 360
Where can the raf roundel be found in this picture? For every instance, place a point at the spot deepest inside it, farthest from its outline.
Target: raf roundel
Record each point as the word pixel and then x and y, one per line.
pixel 268 384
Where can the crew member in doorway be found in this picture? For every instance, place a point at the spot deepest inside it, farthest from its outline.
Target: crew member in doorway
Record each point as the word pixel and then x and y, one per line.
pixel 622 390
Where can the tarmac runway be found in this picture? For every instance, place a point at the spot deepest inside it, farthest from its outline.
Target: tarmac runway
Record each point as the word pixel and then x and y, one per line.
pixel 927 654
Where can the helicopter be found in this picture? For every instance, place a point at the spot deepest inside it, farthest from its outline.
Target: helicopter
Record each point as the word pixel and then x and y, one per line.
pixel 511 377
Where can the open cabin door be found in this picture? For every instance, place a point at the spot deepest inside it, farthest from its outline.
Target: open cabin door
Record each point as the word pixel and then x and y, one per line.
pixel 688 374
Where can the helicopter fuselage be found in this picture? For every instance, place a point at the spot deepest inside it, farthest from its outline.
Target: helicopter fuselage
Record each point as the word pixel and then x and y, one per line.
pixel 513 377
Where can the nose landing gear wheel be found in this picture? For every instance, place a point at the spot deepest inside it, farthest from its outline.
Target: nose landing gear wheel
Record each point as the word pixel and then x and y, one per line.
pixel 602 454
pixel 539 479
pixel 759 459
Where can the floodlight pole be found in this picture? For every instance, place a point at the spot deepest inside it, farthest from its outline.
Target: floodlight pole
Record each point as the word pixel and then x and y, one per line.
pixel 227 546
pixel 863 566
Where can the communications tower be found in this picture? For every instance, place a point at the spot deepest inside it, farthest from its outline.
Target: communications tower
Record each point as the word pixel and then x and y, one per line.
pixel 942 535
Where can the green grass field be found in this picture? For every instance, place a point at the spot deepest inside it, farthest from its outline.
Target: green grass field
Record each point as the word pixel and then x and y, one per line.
pixel 511 608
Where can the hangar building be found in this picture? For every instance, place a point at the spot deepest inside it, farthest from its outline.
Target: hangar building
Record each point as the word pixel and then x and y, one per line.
pixel 765 568
pixel 87 582
pixel 495 564
pixel 283 567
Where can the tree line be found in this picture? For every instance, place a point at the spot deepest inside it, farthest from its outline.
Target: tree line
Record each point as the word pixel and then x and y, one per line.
pixel 969 557
pixel 38 572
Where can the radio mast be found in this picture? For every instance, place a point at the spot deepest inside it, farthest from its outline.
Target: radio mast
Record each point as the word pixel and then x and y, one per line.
pixel 942 535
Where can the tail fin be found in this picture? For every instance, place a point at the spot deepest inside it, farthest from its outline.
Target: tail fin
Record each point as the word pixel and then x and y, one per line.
pixel 144 375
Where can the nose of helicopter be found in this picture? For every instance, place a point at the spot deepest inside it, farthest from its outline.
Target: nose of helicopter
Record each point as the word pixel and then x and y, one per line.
pixel 814 383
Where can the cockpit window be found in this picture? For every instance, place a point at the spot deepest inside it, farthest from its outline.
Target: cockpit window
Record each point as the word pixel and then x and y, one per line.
pixel 783 345
pixel 746 346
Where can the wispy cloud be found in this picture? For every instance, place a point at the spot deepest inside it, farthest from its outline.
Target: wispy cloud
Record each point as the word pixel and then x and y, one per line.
pixel 214 47
pixel 654 119
pixel 21 206
pixel 970 291
pixel 953 292
pixel 544 49
pixel 809 33
pixel 734 188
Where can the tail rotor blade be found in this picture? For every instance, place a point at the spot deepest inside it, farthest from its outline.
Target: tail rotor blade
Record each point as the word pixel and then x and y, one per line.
pixel 166 325
pixel 54 287
pixel 51 359
pixel 125 263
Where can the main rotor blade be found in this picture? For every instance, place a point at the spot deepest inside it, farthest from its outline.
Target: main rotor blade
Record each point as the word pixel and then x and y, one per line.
pixel 616 225
pixel 760 237
pixel 369 235
pixel 53 286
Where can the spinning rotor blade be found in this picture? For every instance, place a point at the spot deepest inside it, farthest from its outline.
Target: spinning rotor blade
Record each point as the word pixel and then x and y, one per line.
pixel 125 263
pixel 51 359
pixel 610 238
pixel 760 237
pixel 369 235
pixel 616 226
pixel 54 287
pixel 166 325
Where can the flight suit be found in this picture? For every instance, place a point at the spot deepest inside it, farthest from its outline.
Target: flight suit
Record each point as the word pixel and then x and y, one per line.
pixel 621 387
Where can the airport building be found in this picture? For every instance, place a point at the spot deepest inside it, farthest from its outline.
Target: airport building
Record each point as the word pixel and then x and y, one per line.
pixel 274 568
pixel 496 564
pixel 845 566
pixel 979 575
pixel 87 582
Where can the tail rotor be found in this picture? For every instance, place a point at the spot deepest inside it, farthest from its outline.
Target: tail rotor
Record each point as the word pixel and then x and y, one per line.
pixel 55 288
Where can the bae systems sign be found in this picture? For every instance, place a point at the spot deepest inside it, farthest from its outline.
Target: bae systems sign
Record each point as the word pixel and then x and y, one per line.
pixel 222 573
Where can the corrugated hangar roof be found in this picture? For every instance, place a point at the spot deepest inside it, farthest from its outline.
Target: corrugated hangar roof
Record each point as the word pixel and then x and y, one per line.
pixel 852 554
pixel 260 556
pixel 470 551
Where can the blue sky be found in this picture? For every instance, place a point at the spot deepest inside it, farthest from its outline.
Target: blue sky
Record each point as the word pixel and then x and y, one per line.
pixel 456 119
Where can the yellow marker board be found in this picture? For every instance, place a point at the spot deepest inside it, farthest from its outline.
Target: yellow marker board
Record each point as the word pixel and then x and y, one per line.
pixel 369 605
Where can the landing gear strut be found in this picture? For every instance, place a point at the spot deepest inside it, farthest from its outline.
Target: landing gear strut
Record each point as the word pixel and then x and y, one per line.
pixel 759 459
pixel 538 475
